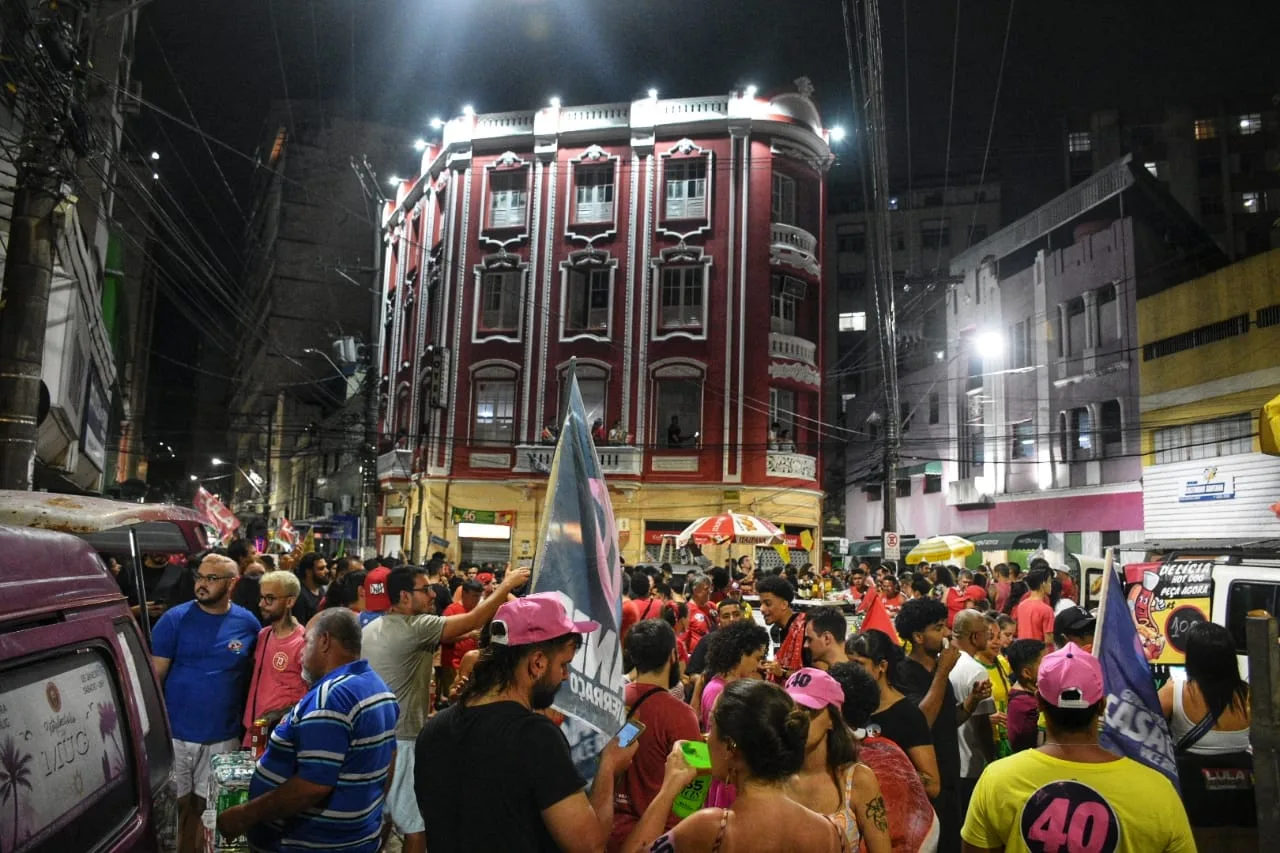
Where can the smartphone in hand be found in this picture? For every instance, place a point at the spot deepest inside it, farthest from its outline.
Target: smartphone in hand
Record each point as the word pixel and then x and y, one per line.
pixel 630 730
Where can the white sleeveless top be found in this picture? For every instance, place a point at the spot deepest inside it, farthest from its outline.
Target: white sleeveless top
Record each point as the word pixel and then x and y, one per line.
pixel 1214 742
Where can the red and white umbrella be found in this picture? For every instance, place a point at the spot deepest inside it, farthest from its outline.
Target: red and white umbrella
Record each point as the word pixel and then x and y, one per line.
pixel 730 527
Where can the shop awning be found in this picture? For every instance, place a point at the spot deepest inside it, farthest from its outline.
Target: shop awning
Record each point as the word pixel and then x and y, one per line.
pixel 1017 540
pixel 932 469
pixel 875 548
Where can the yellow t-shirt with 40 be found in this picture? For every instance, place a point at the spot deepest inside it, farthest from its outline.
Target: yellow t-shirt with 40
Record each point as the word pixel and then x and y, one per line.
pixel 1035 803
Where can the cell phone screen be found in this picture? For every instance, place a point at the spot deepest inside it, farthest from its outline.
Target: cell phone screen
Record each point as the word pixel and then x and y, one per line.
pixel 630 730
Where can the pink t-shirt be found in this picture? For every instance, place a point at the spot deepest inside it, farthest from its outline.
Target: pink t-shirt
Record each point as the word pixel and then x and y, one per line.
pixel 277 674
pixel 1035 620
pixel 710 694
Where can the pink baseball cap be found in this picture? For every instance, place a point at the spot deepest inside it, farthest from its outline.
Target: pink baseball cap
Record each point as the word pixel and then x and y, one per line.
pixel 376 596
pixel 814 689
pixel 1071 678
pixel 534 619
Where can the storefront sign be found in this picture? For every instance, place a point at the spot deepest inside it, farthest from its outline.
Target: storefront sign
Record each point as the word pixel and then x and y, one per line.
pixel 1209 486
pixel 484 516
pixel 93 439
pixel 1166 601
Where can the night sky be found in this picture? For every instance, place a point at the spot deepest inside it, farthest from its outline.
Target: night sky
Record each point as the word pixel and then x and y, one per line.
pixel 408 60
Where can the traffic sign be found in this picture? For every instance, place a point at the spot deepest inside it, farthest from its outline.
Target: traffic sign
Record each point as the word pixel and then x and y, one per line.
pixel 892 546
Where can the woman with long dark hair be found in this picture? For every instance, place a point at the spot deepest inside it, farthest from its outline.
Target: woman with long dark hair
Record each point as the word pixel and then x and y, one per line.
pixel 946 591
pixel 1208 717
pixel 757 742
pixel 1018 590
pixel 832 781
pixel 735 652
pixel 896 717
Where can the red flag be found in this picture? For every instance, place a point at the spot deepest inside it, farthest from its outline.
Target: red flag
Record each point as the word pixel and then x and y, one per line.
pixel 218 516
pixel 286 533
pixel 875 617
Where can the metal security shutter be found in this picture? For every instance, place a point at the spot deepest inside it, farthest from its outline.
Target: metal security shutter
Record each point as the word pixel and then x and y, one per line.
pixel 485 550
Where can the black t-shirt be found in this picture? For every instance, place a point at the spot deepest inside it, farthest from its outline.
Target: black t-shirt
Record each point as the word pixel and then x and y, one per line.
pixel 914 681
pixel 698 655
pixel 306 606
pixel 519 759
pixel 903 723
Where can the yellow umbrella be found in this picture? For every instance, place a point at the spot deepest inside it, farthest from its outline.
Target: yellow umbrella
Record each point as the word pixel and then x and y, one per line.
pixel 1269 428
pixel 940 548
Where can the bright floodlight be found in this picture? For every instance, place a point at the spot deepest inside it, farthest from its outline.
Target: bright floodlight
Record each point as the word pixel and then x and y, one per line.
pixel 989 344
pixel 940 355
pixel 194 478
pixel 394 180
pixel 653 93
pixel 216 461
pixel 155 176
pixel 420 145
pixel 468 110
pixel 837 134
pixel 437 123
pixel 155 155
pixel 555 103
pixel 750 91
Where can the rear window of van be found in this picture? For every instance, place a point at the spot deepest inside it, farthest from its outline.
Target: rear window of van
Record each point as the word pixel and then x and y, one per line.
pixel 1245 596
pixel 66 763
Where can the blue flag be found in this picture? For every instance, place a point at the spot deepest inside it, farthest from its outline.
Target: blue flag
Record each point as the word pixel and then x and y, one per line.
pixel 577 557
pixel 1133 725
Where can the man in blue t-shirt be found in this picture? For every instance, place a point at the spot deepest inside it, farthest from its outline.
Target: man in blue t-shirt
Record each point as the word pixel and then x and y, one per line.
pixel 203 653
pixel 322 781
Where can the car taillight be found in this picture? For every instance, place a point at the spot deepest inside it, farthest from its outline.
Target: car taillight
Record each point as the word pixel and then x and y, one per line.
pixel 164 816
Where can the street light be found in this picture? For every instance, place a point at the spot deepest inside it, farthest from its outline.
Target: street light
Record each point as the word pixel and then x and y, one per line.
pixel 419 144
pixel 437 123
pixel 989 344
pixel 215 461
pixel 155 155
pixel 194 478
pixel 837 134
pixel 325 356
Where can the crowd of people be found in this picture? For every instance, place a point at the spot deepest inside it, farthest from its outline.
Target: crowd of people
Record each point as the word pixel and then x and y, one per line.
pixel 415 701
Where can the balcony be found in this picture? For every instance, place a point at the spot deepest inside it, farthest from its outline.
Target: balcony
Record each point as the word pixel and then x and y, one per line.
pixel 395 465
pixel 796 466
pixel 614 461
pixel 793 246
pixel 792 348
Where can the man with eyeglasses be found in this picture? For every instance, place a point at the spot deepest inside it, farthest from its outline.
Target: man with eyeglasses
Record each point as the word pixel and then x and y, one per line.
pixel 277 658
pixel 972 685
pixel 203 653
pixel 400 647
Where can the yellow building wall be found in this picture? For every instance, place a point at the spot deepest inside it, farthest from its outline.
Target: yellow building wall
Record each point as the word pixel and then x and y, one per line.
pixel 431 500
pixel 1241 288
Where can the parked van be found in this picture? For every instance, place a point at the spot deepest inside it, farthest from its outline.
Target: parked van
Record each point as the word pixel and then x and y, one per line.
pixel 1222 585
pixel 85 752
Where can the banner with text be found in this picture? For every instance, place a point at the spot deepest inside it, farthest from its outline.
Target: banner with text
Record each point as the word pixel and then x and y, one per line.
pixel 1166 600
pixel 219 517
pixel 1133 724
pixel 484 516
pixel 578 558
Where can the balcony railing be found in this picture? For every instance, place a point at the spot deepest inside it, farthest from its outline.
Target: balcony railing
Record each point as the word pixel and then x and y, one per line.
pixel 536 459
pixel 791 347
pixel 795 465
pixel 795 239
pixel 395 465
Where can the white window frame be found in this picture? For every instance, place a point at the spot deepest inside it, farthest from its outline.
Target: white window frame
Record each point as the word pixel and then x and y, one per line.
pixel 692 281
pixel 676 370
pixel 1204 440
pixel 1204 128
pixel 852 321
pixel 1079 142
pixel 594 278
pixel 782 208
pixel 508 198
pixel 782 411
pixel 1250 123
pixel 686 188
pixel 501 378
pixel 783 307
pixel 589 372
pixel 510 283
pixel 593 193
pixel 1251 202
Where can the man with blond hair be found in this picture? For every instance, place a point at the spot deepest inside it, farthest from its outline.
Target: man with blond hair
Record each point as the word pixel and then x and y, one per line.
pixel 203 654
pixel 277 658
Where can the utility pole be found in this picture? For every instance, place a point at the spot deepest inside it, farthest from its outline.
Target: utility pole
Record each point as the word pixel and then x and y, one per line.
pixel 862 34
pixel 372 360
pixel 45 66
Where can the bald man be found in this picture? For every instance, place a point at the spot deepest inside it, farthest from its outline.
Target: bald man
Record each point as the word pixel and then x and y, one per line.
pixel 972 685
pixel 203 654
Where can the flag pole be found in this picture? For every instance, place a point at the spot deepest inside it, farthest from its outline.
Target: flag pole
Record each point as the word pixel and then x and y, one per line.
pixel 1107 581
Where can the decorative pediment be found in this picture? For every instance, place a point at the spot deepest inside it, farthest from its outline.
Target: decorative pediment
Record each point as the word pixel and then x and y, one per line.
pixel 802 373
pixel 594 154
pixel 509 160
pixel 590 257
pixel 686 147
pixel 683 254
pixel 501 260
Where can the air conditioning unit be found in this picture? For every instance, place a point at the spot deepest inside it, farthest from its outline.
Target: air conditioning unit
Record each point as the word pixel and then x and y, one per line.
pixel 71 460
pixel 328 508
pixel 346 351
pixel 346 502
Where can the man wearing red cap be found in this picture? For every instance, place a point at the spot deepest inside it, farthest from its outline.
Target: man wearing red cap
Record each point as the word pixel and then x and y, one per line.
pixel 376 599
pixel 1071 794
pixel 451 654
pixel 494 740
pixel 400 647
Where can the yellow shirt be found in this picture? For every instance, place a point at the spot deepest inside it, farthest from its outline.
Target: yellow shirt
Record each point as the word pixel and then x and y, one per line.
pixel 1032 802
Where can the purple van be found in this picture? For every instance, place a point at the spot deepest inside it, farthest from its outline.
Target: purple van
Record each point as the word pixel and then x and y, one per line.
pixel 85 751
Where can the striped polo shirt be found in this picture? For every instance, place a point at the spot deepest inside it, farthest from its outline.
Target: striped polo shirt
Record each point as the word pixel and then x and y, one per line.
pixel 342 735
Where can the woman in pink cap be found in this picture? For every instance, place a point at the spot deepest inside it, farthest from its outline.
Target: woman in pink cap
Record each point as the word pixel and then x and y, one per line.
pixel 832 781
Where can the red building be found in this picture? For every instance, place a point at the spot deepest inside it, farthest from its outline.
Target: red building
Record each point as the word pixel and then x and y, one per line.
pixel 671 247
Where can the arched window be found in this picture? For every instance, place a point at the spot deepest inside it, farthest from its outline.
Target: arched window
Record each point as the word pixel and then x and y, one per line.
pixel 677 394
pixel 493 405
pixel 593 383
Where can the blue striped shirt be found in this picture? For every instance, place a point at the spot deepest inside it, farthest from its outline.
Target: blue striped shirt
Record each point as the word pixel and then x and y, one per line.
pixel 341 734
